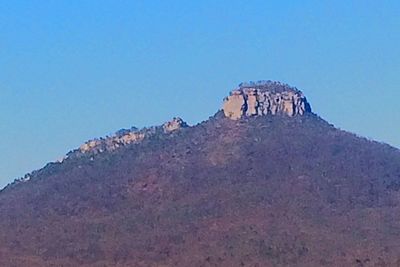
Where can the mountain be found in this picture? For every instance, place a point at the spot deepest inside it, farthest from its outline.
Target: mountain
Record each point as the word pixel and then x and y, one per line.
pixel 263 182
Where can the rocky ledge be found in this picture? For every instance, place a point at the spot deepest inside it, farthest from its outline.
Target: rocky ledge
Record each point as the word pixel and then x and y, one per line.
pixel 264 98
pixel 128 136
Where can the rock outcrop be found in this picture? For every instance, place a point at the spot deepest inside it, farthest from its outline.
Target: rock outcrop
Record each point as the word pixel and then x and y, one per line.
pixel 113 142
pixel 265 98
pixel 128 136
pixel 175 124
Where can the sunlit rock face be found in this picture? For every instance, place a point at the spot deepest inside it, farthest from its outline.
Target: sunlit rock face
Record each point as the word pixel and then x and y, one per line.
pixel 128 136
pixel 264 98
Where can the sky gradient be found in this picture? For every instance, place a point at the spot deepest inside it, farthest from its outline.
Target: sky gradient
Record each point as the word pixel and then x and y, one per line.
pixel 74 70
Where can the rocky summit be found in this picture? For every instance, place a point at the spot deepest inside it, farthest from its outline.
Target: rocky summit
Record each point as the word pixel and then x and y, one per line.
pixel 265 98
pixel 264 182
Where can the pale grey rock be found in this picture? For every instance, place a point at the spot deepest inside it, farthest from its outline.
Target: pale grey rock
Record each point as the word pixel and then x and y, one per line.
pixel 175 124
pixel 126 137
pixel 264 98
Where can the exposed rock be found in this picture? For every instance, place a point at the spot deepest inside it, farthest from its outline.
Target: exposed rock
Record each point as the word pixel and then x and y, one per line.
pixel 234 105
pixel 265 98
pixel 175 124
pixel 90 145
pixel 128 136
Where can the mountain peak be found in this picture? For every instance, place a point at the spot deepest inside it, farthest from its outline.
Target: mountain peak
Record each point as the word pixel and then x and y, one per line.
pixel 265 98
pixel 225 191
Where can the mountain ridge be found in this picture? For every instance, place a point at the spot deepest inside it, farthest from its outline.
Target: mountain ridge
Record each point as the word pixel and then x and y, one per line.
pixel 261 190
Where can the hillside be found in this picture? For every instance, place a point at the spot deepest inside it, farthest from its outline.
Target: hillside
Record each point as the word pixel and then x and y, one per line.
pixel 254 185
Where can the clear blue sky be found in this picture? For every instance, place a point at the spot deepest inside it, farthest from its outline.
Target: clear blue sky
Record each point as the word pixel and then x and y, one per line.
pixel 74 70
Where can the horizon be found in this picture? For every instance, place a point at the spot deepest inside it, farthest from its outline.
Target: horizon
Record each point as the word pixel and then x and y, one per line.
pixel 73 71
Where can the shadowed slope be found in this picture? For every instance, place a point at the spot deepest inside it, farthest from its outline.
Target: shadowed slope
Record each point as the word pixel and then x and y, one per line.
pixel 262 191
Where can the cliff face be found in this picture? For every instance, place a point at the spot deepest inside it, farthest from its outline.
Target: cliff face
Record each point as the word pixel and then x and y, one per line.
pixel 265 98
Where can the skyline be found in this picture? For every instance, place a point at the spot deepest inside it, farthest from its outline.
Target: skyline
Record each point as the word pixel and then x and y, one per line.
pixel 74 71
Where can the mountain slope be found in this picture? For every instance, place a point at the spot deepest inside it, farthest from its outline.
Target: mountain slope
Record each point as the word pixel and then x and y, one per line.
pixel 257 191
